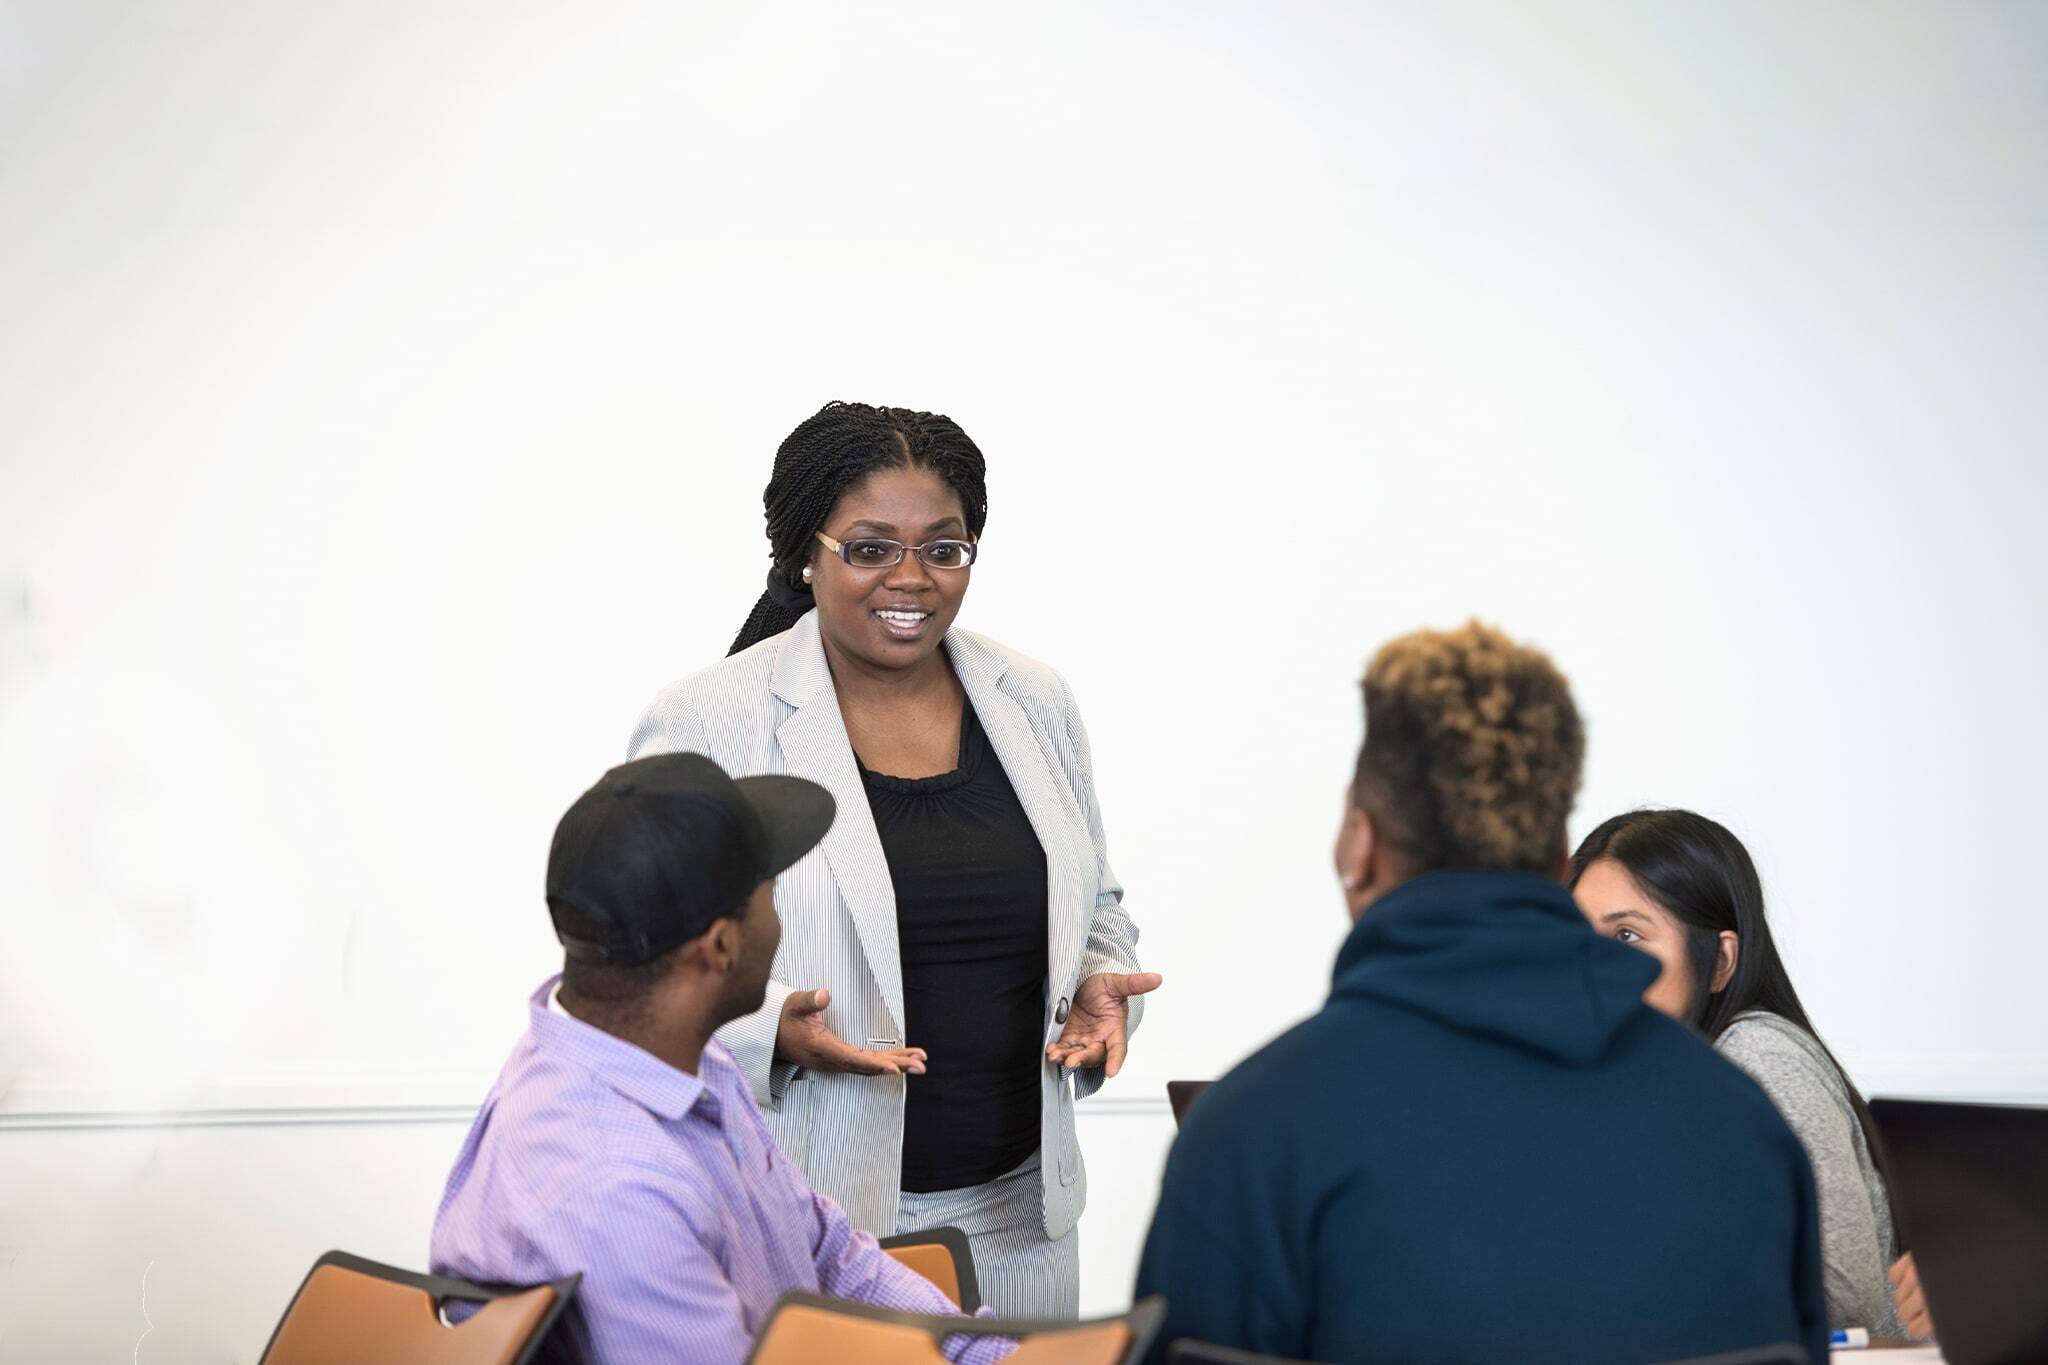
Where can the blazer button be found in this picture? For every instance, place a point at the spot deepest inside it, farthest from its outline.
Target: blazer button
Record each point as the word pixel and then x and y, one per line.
pixel 1059 1014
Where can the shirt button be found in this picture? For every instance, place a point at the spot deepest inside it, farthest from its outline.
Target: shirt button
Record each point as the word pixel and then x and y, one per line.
pixel 1059 1015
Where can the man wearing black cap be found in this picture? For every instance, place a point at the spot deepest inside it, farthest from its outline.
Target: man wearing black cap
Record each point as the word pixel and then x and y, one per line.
pixel 621 1140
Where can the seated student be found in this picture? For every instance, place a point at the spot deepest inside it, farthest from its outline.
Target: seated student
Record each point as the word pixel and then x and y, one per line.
pixel 1683 889
pixel 621 1140
pixel 1485 1147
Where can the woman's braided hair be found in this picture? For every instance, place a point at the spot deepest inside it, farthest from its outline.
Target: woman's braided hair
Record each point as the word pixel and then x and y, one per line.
pixel 1472 751
pixel 829 452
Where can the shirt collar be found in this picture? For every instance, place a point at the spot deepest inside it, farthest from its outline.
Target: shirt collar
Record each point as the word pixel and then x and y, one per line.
pixel 635 1073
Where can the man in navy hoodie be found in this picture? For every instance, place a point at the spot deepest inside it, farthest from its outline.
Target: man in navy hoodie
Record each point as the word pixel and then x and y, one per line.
pixel 1485 1148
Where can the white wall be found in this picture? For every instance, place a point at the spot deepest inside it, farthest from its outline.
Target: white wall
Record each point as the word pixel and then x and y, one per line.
pixel 386 391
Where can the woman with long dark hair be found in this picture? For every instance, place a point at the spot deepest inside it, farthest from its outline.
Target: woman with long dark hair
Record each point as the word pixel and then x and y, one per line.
pixel 1683 889
pixel 956 965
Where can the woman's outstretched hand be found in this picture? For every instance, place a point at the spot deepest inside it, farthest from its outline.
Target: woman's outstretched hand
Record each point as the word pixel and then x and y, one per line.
pixel 802 1038
pixel 1098 1021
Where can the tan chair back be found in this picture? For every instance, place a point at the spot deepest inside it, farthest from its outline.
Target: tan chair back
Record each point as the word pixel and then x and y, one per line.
pixel 344 1317
pixel 945 1257
pixel 803 1335
pixel 934 1261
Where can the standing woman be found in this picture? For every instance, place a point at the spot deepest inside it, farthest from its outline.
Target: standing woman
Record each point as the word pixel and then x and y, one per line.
pixel 1683 888
pixel 956 964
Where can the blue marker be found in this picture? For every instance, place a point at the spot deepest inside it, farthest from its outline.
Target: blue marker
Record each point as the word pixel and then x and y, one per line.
pixel 1848 1339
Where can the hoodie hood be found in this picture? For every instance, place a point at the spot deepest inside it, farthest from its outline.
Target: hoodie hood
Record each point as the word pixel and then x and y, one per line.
pixel 1503 955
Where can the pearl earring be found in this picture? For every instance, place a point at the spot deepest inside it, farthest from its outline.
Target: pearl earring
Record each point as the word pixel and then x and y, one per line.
pixel 807 573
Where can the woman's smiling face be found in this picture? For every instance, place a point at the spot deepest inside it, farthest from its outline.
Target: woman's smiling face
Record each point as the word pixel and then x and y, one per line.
pixel 890 618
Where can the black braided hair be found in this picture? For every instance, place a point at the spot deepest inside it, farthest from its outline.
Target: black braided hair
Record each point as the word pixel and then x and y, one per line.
pixel 829 452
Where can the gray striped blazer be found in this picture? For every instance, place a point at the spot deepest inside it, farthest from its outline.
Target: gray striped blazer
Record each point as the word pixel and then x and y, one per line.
pixel 772 709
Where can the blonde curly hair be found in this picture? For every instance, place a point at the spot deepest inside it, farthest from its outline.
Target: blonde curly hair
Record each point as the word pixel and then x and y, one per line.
pixel 1472 751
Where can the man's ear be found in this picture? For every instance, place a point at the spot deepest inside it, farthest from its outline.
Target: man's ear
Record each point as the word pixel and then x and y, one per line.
pixel 719 945
pixel 1727 954
pixel 1358 854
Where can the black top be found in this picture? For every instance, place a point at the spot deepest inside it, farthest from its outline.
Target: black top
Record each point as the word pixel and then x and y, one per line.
pixel 971 928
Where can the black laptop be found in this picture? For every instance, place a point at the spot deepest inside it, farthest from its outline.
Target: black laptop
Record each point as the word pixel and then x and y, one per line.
pixel 1971 1199
pixel 1182 1095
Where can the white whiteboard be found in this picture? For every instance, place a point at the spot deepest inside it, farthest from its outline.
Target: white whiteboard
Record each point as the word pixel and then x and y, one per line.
pixel 386 393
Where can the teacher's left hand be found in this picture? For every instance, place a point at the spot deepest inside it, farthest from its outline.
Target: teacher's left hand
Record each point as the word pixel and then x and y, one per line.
pixel 1097 1020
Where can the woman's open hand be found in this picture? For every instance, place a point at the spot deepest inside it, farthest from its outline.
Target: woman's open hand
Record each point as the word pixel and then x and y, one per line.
pixel 802 1038
pixel 1098 1021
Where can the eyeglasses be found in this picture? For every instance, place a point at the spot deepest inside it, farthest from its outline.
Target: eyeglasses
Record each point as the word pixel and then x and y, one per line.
pixel 887 554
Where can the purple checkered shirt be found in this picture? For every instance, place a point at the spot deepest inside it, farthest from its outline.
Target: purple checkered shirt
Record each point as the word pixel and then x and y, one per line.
pixel 668 1193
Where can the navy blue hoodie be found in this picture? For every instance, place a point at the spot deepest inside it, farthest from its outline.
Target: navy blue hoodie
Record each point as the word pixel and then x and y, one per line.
pixel 1485 1149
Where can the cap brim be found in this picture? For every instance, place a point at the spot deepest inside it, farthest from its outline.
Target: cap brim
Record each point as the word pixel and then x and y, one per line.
pixel 795 811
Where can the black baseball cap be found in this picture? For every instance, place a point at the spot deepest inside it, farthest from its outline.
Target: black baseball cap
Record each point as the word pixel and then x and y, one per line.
pixel 662 846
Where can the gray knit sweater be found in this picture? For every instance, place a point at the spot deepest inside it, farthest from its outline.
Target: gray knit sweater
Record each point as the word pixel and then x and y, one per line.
pixel 1856 1241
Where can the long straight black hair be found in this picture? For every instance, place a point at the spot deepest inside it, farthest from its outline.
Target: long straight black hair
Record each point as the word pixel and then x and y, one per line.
pixel 1700 873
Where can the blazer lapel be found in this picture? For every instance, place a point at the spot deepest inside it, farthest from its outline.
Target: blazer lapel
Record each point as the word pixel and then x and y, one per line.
pixel 814 745
pixel 1032 767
